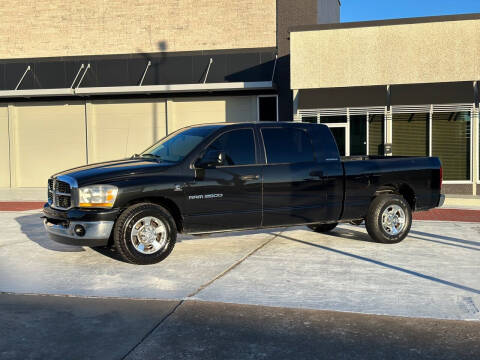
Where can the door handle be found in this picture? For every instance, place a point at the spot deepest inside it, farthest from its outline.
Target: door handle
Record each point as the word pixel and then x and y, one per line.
pixel 249 177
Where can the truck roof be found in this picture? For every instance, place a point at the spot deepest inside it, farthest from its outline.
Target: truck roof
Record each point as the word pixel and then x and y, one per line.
pixel 281 123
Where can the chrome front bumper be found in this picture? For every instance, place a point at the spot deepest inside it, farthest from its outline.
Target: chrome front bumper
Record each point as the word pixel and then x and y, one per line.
pixel 97 233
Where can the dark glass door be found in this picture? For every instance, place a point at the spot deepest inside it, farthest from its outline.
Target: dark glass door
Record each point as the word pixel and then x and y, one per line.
pixel 358 135
pixel 339 133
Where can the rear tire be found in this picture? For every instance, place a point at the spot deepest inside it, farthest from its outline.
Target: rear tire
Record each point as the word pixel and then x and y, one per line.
pixel 144 234
pixel 389 219
pixel 323 228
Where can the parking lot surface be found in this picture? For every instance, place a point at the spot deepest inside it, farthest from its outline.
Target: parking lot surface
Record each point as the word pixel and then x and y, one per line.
pixel 431 274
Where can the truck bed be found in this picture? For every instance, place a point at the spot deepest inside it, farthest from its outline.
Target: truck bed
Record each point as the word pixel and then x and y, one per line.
pixel 364 175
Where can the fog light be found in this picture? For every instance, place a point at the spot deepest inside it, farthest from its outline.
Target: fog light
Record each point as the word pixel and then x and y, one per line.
pixel 79 230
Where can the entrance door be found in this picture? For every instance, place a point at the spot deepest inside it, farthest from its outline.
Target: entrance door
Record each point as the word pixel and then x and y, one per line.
pixel 340 134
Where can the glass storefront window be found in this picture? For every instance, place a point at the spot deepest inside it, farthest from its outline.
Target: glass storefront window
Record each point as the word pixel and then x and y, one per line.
pixel 451 143
pixel 358 135
pixel 376 130
pixel 410 134
pixel 333 119
pixel 309 119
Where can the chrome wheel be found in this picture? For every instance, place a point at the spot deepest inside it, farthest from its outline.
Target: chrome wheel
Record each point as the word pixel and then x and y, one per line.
pixel 149 235
pixel 393 219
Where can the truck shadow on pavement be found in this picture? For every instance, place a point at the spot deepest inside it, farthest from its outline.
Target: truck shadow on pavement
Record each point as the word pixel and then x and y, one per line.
pixel 383 264
pixel 113 254
pixel 350 234
pixel 31 226
pixel 414 234
pixel 443 237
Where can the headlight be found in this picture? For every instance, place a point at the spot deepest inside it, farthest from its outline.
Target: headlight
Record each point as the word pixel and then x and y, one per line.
pixel 101 196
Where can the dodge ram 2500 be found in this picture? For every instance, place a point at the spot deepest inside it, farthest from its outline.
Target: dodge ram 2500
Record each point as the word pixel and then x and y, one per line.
pixel 222 177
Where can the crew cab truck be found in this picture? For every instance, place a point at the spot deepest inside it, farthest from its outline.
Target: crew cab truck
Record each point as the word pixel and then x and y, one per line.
pixel 222 177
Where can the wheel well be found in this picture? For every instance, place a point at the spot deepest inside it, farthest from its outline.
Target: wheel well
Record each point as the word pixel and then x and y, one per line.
pixel 167 204
pixel 403 189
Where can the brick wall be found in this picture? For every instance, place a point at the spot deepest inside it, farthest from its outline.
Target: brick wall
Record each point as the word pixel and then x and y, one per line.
pixel 47 28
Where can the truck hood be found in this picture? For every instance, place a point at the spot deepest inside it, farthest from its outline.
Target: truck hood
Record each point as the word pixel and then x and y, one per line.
pixel 111 170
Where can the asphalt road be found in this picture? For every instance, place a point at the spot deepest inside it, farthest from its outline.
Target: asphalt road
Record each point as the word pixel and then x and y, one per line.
pixel 58 327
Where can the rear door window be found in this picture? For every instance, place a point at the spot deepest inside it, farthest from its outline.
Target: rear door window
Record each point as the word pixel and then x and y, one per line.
pixel 287 145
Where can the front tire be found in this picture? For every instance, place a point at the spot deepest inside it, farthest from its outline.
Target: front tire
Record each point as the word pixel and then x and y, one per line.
pixel 144 234
pixel 323 228
pixel 389 219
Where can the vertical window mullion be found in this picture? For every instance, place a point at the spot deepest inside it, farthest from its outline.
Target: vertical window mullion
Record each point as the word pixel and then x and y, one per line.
pixel 430 130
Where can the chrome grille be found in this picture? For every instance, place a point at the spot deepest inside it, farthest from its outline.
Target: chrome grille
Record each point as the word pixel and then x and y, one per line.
pixel 50 191
pixel 62 187
pixel 59 193
pixel 62 201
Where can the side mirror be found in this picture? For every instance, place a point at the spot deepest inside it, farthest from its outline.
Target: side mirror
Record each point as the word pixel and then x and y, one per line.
pixel 211 159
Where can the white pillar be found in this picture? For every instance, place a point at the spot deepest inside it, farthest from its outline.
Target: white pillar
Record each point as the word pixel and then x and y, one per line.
pixel 475 148
pixel 296 115
pixel 12 145
pixel 168 114
pixel 389 128
pixel 91 151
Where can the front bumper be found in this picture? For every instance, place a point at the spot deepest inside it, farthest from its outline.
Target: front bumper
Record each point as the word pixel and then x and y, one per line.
pixel 97 223
pixel 97 233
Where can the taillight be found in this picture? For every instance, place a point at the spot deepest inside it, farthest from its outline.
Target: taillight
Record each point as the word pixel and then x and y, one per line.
pixel 441 177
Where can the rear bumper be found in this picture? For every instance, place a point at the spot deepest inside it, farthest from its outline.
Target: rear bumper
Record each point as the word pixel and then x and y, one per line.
pixel 441 201
pixel 97 233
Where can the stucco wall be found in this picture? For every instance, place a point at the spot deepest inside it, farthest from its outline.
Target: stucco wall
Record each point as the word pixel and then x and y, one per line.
pixel 45 28
pixel 47 137
pixel 390 54
pixel 4 148
pixel 192 111
pixel 120 128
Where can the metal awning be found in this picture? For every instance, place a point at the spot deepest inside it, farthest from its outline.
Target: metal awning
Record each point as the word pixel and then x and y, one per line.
pixel 175 88
pixel 36 93
pixel 146 89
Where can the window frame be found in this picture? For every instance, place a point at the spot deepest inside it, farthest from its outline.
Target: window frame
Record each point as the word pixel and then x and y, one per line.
pixel 315 159
pixel 258 105
pixel 457 182
pixel 205 148
pixel 476 117
pixel 425 108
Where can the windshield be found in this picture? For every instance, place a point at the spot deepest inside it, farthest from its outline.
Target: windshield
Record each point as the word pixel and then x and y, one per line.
pixel 175 147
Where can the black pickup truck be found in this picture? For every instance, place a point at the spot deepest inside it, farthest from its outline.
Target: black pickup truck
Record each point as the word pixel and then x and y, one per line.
pixel 222 177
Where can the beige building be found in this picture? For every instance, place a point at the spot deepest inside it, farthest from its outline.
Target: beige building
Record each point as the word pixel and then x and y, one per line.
pixel 395 87
pixel 88 81
pixel 96 80
pixel 38 139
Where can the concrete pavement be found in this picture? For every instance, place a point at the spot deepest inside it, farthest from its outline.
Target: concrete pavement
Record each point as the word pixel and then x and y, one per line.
pixel 433 273
pixel 272 294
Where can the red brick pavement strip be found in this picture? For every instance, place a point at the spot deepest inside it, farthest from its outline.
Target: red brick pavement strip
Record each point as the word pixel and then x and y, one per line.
pixel 434 214
pixel 448 215
pixel 20 205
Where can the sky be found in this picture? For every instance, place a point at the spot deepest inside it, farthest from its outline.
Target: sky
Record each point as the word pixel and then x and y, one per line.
pixel 363 10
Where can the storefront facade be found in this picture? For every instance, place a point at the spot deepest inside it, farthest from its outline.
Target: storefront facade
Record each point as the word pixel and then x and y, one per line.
pixel 400 87
pixel 89 81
